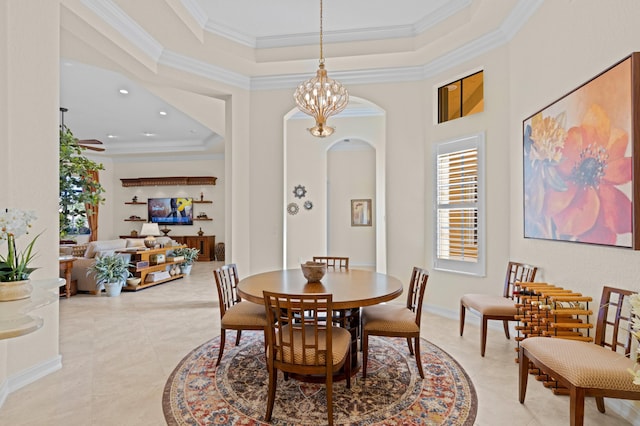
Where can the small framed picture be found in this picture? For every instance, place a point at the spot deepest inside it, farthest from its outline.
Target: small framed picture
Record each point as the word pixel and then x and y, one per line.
pixel 361 212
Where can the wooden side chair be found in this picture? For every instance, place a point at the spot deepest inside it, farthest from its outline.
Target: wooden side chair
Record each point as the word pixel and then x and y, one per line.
pixel 501 308
pixel 397 321
pixel 302 344
pixel 234 313
pixel 587 369
pixel 333 261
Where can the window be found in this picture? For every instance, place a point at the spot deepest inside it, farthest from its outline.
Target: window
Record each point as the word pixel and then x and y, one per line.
pixel 459 200
pixel 461 97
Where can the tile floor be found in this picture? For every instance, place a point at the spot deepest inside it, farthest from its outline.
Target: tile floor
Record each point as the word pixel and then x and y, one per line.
pixel 118 353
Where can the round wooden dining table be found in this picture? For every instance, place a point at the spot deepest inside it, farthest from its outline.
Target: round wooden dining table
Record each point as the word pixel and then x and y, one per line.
pixel 351 289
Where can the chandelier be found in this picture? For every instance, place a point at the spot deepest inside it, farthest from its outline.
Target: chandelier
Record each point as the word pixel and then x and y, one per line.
pixel 321 97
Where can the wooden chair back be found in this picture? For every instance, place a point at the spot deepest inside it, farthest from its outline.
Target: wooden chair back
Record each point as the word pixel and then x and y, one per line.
pixel 613 326
pixel 227 282
pixel 333 261
pixel 304 316
pixel 415 294
pixel 518 272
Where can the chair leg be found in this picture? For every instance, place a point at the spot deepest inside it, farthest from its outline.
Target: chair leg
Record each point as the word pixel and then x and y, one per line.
pixel 523 376
pixel 222 339
pixel 329 386
pixel 347 368
pixel 483 335
pixel 505 324
pixel 238 337
pixel 418 360
pixel 273 381
pixel 600 403
pixel 365 353
pixel 410 345
pixel 463 312
pixel 576 404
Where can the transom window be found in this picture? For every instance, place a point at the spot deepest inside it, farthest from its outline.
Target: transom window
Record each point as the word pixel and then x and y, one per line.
pixel 461 97
pixel 459 217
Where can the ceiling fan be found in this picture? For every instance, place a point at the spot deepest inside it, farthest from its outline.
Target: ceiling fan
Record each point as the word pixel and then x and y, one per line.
pixel 84 143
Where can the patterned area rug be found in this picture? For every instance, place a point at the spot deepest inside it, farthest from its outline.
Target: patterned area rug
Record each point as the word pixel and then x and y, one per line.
pixel 393 393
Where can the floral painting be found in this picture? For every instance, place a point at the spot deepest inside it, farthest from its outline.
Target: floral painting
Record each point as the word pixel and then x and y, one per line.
pixel 578 164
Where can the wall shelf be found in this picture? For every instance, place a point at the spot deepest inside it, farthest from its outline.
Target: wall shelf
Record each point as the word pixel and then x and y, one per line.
pixel 135 202
pixel 202 202
pixel 173 180
pixel 135 220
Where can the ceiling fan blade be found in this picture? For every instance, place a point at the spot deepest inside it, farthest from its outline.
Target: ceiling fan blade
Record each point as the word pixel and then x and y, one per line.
pixel 92 148
pixel 89 141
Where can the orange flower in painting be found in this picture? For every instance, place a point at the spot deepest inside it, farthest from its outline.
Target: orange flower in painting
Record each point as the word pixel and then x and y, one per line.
pixel 593 208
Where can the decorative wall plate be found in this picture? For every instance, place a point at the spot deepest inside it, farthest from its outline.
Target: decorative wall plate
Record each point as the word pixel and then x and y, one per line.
pixel 308 205
pixel 292 208
pixel 299 191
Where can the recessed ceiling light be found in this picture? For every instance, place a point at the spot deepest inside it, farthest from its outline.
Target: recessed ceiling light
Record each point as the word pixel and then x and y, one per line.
pixel 124 91
pixel 163 112
pixel 149 134
pixel 110 136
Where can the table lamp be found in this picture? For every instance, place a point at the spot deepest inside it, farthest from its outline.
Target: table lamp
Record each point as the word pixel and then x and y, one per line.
pixel 150 231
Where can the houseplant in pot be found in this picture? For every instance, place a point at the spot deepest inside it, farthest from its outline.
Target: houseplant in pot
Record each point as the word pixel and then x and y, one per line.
pixel 190 255
pixel 111 271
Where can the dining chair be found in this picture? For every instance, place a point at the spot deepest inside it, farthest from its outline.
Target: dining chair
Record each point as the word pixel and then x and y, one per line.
pixel 397 321
pixel 599 369
pixel 333 261
pixel 492 307
pixel 234 313
pixel 304 345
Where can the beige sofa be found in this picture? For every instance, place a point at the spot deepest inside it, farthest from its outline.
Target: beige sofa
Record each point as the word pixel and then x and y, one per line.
pixel 85 255
pixel 86 281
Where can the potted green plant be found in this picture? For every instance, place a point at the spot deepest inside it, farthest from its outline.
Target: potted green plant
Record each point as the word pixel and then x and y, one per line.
pixel 111 271
pixel 190 255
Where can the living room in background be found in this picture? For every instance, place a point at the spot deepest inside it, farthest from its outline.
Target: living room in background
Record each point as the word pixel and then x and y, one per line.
pixel 579 173
pixel 459 224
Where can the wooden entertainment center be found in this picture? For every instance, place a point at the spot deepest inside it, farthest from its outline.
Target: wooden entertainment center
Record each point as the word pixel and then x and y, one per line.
pixel 204 243
pixel 143 266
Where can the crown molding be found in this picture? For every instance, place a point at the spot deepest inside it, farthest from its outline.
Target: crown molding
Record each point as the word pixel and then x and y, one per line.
pixel 114 16
pixel 193 66
pixel 364 34
pixel 110 13
pixel 193 7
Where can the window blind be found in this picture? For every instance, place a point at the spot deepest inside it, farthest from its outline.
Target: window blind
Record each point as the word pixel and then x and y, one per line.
pixel 457 205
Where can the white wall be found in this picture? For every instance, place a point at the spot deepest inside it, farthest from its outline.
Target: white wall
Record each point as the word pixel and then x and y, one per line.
pixel 351 175
pixel 29 91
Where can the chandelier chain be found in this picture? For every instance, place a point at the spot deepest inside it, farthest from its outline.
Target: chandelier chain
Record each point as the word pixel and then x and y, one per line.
pixel 321 53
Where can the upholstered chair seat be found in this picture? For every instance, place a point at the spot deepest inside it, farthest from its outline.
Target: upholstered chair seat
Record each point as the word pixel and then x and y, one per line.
pixel 245 314
pixel 486 304
pixel 390 318
pixel 583 364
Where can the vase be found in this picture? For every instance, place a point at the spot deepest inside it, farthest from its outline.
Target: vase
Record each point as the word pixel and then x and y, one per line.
pixel 186 269
pixel 15 290
pixel 113 289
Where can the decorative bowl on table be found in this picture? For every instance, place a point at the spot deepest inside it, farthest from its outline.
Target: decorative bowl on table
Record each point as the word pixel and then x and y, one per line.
pixel 313 271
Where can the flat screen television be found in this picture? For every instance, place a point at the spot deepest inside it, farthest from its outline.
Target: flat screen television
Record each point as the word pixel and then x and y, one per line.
pixel 170 211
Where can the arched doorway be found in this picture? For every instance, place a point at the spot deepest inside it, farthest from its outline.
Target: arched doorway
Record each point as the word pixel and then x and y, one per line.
pixel 306 230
